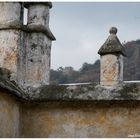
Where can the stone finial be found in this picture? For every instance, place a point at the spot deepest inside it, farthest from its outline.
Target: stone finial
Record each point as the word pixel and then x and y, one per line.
pixel 112 44
pixel 38 17
pixel 113 30
pixel 112 53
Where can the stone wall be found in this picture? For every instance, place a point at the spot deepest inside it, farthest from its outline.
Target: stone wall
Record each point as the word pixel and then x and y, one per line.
pixel 81 119
pixel 9 116
pixel 69 119
pixel 86 111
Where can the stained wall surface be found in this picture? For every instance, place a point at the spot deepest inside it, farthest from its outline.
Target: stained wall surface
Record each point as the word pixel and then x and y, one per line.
pixel 8 50
pixel 81 119
pixel 37 58
pixel 111 69
pixel 9 116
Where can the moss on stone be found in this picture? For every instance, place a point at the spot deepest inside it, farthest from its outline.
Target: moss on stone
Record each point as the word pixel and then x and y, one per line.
pixel 128 91
pixel 53 88
pixel 83 89
pixel 91 86
pixel 63 92
pixel 13 87
pixel 5 73
pixel 112 45
pixel 52 91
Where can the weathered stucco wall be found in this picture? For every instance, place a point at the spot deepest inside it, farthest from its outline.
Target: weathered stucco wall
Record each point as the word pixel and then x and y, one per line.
pixel 37 51
pixel 10 21
pixel 8 50
pixel 9 116
pixel 111 69
pixel 69 111
pixel 81 119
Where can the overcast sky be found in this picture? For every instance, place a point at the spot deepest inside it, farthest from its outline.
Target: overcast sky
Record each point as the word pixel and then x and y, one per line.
pixel 81 28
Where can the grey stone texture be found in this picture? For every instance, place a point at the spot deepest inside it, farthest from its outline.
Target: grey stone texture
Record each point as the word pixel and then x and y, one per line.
pixel 112 44
pixel 37 70
pixel 25 49
pixel 10 15
pixel 37 47
pixel 38 15
pixel 10 21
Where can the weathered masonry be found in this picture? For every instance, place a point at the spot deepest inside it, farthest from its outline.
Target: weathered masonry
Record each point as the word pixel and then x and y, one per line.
pixel 112 53
pixel 25 50
pixel 31 107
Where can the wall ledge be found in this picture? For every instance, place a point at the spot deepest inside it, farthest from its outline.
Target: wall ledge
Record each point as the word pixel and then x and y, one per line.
pixel 13 25
pixel 89 92
pixel 12 88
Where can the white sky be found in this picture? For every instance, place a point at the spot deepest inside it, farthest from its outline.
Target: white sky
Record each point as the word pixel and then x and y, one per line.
pixel 81 28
